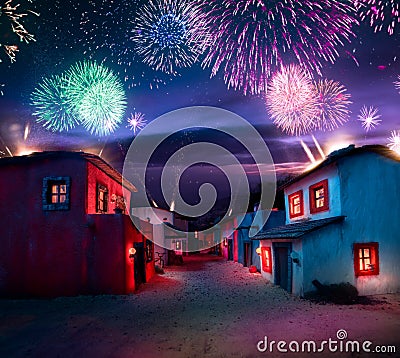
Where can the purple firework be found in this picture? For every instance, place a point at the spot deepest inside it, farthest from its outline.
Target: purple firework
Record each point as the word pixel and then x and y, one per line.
pixel 253 38
pixel 381 14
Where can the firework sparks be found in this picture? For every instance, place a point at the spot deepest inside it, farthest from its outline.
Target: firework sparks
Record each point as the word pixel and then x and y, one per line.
pixel 15 19
pixel 369 117
pixel 253 38
pixel 394 141
pixel 53 107
pixel 163 35
pixel 397 83
pixel 307 150
pixel 321 152
pixel 136 121
pixel 380 14
pixel 333 102
pixel 292 101
pixel 97 96
pixel 108 31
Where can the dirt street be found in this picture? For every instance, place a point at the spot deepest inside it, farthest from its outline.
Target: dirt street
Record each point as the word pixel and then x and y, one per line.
pixel 206 308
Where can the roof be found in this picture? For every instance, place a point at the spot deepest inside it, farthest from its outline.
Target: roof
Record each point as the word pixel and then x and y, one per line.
pixel 296 230
pixel 93 159
pixel 351 150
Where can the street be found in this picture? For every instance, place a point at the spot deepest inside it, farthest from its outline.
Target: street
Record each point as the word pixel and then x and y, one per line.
pixel 205 308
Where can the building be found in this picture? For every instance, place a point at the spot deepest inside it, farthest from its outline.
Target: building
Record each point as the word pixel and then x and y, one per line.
pixel 342 225
pixel 65 230
pixel 169 233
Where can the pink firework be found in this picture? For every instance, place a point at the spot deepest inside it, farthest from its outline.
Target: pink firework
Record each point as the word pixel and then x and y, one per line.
pixel 333 103
pixel 292 101
pixel 369 117
pixel 380 14
pixel 253 38
pixel 394 141
pixel 136 121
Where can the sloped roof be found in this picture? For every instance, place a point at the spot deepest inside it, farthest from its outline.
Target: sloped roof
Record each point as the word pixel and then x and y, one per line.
pixel 93 159
pixel 296 230
pixel 351 150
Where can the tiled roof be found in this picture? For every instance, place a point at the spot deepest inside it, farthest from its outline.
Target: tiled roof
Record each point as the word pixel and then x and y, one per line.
pixel 296 230
pixel 94 159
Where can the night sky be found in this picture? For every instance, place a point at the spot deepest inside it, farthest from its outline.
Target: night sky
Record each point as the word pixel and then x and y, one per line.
pixel 61 41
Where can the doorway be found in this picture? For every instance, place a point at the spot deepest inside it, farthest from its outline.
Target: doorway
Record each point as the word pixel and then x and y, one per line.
pixel 283 265
pixel 230 249
pixel 139 264
pixel 247 254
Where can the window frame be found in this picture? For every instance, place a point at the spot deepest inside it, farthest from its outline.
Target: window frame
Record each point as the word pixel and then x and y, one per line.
pixel 312 191
pixel 47 194
pixel 266 266
pixel 291 197
pixel 374 258
pixel 101 188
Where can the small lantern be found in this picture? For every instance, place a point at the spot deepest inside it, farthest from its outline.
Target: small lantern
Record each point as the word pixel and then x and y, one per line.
pixel 258 250
pixel 225 241
pixel 132 252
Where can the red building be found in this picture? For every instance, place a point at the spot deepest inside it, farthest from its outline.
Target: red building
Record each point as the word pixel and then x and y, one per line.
pixel 64 230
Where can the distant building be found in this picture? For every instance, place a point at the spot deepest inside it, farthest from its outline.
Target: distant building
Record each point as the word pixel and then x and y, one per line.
pixel 342 225
pixel 169 233
pixel 233 238
pixel 65 230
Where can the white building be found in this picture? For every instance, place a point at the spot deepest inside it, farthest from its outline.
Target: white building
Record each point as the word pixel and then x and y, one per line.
pixel 342 225
pixel 169 231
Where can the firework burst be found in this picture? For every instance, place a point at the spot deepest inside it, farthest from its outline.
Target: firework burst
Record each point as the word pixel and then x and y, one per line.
pixel 97 95
pixel 369 117
pixel 164 37
pixel 292 101
pixel 136 121
pixel 53 108
pixel 381 14
pixel 253 38
pixel 394 141
pixel 333 102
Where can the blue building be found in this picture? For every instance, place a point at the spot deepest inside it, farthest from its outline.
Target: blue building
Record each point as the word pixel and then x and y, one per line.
pixel 342 225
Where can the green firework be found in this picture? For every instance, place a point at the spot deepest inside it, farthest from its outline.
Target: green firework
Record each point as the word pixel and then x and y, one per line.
pixel 53 107
pixel 97 95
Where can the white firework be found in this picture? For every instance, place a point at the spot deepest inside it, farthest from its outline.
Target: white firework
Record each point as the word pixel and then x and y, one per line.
pixel 369 117
pixel 136 121
pixel 394 141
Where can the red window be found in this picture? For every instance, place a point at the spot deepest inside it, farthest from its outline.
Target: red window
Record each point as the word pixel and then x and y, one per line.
pixel 296 204
pixel 366 259
pixel 319 197
pixel 266 259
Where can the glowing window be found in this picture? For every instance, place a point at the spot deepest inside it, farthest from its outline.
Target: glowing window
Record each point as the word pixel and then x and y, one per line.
pixel 102 199
pixel 55 193
pixel 266 259
pixel 296 205
pixel 319 199
pixel 58 193
pixel 366 259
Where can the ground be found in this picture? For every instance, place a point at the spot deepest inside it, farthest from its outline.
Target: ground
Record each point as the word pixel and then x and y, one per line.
pixel 206 308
